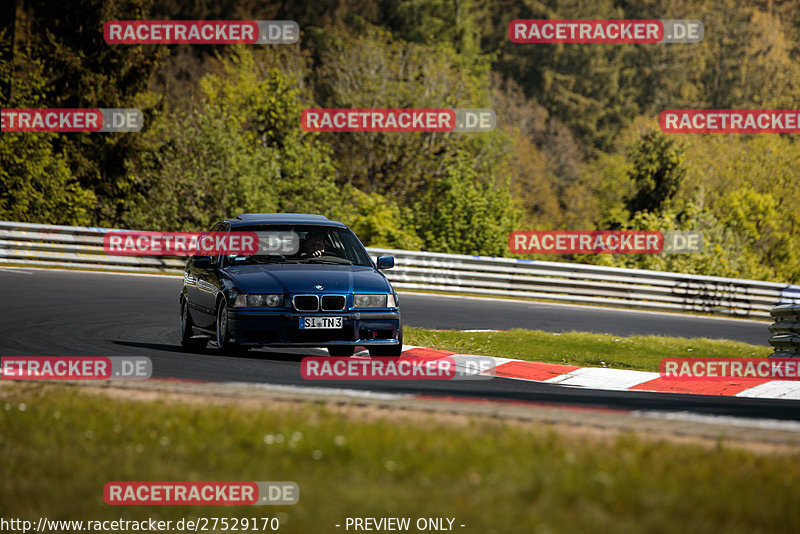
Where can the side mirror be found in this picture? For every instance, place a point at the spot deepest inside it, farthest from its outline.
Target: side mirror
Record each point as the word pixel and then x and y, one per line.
pixel 385 262
pixel 202 262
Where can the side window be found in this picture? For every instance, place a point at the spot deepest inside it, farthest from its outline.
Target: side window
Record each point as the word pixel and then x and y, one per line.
pixel 337 248
pixel 213 229
pixel 219 259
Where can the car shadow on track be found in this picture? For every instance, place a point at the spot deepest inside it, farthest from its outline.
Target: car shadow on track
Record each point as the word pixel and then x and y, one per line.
pixel 283 355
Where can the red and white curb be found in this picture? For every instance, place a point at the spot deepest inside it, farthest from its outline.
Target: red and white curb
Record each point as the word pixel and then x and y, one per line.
pixel 618 379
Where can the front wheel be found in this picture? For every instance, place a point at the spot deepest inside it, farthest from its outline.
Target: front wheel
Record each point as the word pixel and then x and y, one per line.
pixel 188 341
pixel 224 342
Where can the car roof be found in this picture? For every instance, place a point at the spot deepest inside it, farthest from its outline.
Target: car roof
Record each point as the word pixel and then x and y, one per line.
pixel 282 218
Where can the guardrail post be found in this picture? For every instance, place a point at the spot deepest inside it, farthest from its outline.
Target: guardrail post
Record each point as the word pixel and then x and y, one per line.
pixel 785 331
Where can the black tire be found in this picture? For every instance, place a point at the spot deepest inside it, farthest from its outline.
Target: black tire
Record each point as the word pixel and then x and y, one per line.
pixel 223 337
pixel 391 351
pixel 341 350
pixel 188 341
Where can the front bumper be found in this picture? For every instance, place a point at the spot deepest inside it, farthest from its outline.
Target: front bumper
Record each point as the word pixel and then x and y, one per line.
pixel 280 328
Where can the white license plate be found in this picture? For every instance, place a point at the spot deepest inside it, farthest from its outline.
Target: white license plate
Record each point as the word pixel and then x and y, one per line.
pixel 317 323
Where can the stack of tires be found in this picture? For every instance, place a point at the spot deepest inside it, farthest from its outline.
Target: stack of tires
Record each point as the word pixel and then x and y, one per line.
pixel 785 331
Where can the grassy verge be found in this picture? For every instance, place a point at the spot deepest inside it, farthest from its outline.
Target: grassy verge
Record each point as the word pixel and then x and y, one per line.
pixel 58 447
pixel 580 348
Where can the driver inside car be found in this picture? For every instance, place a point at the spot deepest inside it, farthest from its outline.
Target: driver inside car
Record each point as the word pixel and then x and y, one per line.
pixel 315 245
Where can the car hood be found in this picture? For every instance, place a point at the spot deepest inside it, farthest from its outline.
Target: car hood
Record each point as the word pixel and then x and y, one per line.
pixel 303 278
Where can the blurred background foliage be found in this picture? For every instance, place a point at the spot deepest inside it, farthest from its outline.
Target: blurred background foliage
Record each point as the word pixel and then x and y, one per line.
pixel 577 144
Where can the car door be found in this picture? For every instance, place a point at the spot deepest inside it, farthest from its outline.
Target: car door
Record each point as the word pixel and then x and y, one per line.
pixel 203 286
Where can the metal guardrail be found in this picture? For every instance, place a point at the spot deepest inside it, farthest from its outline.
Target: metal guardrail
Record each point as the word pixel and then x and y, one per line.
pixel 82 247
pixel 72 246
pixel 785 331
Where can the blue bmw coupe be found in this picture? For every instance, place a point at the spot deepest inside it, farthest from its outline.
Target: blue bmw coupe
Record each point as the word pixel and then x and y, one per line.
pixel 311 284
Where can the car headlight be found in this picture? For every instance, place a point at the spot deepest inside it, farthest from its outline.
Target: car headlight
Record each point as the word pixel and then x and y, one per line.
pixel 258 301
pixel 373 301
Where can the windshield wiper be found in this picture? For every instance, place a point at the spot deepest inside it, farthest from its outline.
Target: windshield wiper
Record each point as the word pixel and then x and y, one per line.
pixel 339 261
pixel 271 258
pixel 274 258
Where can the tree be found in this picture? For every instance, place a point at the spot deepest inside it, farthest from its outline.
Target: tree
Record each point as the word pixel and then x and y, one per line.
pixel 235 151
pixel 375 70
pixel 36 184
pixel 435 21
pixel 378 221
pixel 750 184
pixel 82 71
pixel 8 19
pixel 587 87
pixel 657 172
pixel 459 214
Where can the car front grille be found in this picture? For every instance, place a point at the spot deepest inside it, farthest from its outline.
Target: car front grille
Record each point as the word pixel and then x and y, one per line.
pixel 306 302
pixel 333 302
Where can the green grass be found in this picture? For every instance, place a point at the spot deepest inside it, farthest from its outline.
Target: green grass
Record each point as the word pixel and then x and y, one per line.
pixel 580 348
pixel 58 447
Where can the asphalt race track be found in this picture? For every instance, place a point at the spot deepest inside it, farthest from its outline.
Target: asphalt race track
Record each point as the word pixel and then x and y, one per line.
pixel 72 313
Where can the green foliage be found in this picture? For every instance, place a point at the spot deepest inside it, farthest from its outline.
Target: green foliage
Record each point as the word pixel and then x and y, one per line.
pixel 532 185
pixel 82 71
pixel 750 184
pixel 378 221
pixel 747 59
pixel 233 153
pixel 609 181
pixel 740 191
pixel 377 70
pixel 196 173
pixel 431 21
pixel 588 87
pixel 459 214
pixel 574 147
pixel 36 184
pixel 721 255
pixel 657 172
pixel 543 160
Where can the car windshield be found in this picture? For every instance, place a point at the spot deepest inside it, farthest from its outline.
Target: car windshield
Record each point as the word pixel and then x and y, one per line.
pixel 303 244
